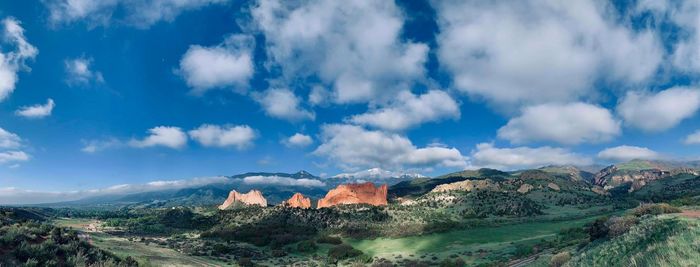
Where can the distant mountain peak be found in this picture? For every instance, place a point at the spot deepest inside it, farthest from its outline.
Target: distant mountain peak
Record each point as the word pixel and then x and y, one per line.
pixel 378 173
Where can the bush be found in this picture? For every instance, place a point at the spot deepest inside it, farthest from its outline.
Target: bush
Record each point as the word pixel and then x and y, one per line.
pixel 617 226
pixel 306 246
pixel 343 251
pixel 598 229
pixel 456 263
pixel 560 259
pixel 329 240
pixel 655 209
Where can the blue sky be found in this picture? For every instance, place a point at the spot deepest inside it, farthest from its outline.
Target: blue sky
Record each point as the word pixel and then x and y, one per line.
pixel 131 91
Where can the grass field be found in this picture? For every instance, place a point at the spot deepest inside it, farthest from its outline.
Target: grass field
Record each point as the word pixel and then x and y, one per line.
pixel 146 255
pixel 473 245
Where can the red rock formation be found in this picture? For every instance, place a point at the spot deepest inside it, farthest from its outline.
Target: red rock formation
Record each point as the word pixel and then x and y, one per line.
pixel 254 197
pixel 355 194
pixel 298 201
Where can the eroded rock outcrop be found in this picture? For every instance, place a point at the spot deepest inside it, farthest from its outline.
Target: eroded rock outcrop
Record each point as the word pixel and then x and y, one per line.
pixel 524 188
pixel 553 186
pixel 298 201
pixel 253 197
pixel 467 185
pixel 365 193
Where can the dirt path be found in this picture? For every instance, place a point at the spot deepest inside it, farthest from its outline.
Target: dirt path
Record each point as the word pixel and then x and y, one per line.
pixel 691 214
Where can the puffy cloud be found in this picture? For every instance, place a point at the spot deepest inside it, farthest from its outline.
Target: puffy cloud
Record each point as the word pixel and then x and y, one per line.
pixel 283 181
pixel 229 64
pixel 536 52
pixel 78 72
pixel 693 138
pixel 572 123
pixel 298 140
pixel 353 47
pixel 627 153
pixel 487 155
pixel 14 56
pixel 13 196
pixel 283 104
pixel 409 110
pixel 172 137
pixel 9 140
pixel 139 13
pixel 37 111
pixel 13 156
pixel 352 147
pixel 238 136
pixel 659 111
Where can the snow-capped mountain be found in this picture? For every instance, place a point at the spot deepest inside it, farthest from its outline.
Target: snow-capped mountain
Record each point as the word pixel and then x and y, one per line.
pixel 377 173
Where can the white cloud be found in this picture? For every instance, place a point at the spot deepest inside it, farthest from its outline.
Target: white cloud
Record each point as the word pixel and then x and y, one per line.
pixel 238 136
pixel 172 137
pixel 353 47
pixel 693 138
pixel 486 155
pixel 139 13
pixel 283 181
pixel 9 140
pixel 627 153
pixel 572 123
pixel 94 146
pixel 13 156
pixel 533 52
pixel 229 64
pixel 409 110
pixel 14 56
pixel 298 140
pixel 36 111
pixel 12 196
pixel 283 104
pixel 659 111
pixel 352 147
pixel 79 73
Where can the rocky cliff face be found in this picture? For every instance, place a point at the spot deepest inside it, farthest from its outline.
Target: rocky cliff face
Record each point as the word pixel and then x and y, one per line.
pixel 254 197
pixel 365 193
pixel 611 176
pixel 298 201
pixel 467 185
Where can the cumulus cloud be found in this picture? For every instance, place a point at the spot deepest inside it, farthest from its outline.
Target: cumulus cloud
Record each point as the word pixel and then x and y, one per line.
pixel 15 196
pixel 693 138
pixel 283 181
pixel 627 153
pixel 298 140
pixel 659 111
pixel 15 51
pixel 487 155
pixel 172 137
pixel 283 104
pixel 352 147
pixel 78 72
pixel 9 140
pixel 409 110
pixel 238 136
pixel 533 52
pixel 139 13
pixel 353 47
pixel 572 123
pixel 37 111
pixel 229 64
pixel 13 156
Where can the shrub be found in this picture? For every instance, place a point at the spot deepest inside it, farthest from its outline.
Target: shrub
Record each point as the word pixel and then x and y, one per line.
pixel 449 263
pixel 655 209
pixel 306 246
pixel 617 226
pixel 343 251
pixel 598 229
pixel 560 259
pixel 329 240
